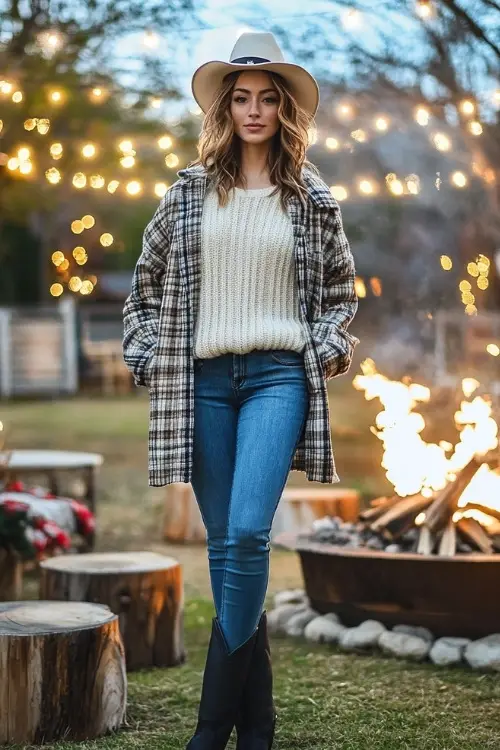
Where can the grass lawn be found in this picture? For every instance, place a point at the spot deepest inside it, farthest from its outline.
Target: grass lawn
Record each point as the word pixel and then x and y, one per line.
pixel 325 699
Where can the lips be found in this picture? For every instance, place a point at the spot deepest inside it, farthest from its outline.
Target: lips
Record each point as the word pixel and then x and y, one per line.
pixel 254 127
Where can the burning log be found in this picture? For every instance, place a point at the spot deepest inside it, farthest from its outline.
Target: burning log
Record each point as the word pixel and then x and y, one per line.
pixel 400 517
pixel 446 502
pixel 448 542
pixel 425 543
pixel 379 506
pixel 474 534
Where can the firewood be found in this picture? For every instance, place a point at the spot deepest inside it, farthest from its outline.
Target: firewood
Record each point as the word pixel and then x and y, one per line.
pixel 379 506
pixel 474 534
pixel 448 541
pixel 425 541
pixel 413 504
pixel 446 501
pixel 484 508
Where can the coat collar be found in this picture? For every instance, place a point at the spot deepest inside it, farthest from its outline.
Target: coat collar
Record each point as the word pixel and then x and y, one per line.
pixel 317 189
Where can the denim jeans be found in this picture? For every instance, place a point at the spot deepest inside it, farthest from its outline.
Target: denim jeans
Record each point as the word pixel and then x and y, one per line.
pixel 249 413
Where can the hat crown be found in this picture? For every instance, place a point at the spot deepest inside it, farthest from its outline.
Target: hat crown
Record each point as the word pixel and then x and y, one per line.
pixel 259 44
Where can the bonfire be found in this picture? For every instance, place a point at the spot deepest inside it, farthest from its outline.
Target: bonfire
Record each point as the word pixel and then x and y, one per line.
pixel 446 497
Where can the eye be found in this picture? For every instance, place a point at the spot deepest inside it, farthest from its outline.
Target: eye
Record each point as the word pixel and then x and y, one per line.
pixel 271 99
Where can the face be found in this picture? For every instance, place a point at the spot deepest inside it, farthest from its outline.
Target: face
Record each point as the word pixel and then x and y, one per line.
pixel 255 101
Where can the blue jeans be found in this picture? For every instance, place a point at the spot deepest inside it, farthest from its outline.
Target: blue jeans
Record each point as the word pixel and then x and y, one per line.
pixel 249 413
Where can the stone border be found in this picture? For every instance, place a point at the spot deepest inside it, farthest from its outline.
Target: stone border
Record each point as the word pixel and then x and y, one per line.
pixel 292 615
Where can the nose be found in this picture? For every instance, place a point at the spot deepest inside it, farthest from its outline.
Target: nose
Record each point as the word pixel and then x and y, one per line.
pixel 254 110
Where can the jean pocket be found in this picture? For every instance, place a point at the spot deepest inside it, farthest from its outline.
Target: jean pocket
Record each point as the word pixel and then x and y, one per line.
pixel 198 364
pixel 288 357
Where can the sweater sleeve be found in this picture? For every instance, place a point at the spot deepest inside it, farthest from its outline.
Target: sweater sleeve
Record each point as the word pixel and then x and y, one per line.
pixel 141 310
pixel 339 300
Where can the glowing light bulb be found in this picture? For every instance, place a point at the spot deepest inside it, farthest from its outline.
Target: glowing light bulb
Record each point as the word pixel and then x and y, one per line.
pixel 53 175
pixel 89 151
pixel 171 160
pixel 339 192
pixel 446 262
pixel 467 107
pixel 165 142
pixel 133 187
pixel 160 189
pixel 332 143
pixel 441 141
pixel 56 290
pixel 79 180
pixel 88 221
pixel 106 239
pixel 459 179
pixel 422 116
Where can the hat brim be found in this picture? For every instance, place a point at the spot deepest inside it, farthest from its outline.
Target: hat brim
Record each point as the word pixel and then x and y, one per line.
pixel 208 77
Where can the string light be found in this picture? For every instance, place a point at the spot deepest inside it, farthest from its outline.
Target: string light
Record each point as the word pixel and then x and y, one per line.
pixel 376 286
pixel 441 141
pixel 422 116
pixel 89 151
pixel 106 239
pixel 43 125
pixel 127 161
pixel 77 226
pixel 359 135
pixel 483 283
pixel 366 187
pixel 56 97
pixel 475 127
pixel 30 124
pixel 97 181
pixel 133 187
pixel 345 111
pixel 473 270
pixel 56 290
pixel 360 288
pixel 75 283
pixel 446 262
pixel 467 107
pixel 381 124
pixel 160 189
pixel 459 179
pixel 126 146
pixel 112 186
pixel 53 175
pixel 87 287
pixel 332 144
pixel 493 349
pixel 56 150
pixel 6 87
pixel 413 184
pixel 57 258
pixel 339 192
pixel 88 221
pixel 17 97
pixel 165 142
pixel 172 161
pixel 79 180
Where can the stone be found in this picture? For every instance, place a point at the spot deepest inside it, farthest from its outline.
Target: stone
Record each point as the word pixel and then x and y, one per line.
pixel 333 617
pixel 393 548
pixel 295 625
pixel 448 651
pixel 416 630
pixel 323 630
pixel 277 618
pixel 404 646
pixel 361 637
pixel 484 653
pixel 290 596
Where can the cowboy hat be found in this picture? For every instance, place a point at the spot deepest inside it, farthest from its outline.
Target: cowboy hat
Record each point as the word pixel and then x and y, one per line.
pixel 260 50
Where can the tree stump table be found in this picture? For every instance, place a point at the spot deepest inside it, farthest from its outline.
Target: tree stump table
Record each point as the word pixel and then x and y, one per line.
pixel 62 668
pixel 11 576
pixel 144 589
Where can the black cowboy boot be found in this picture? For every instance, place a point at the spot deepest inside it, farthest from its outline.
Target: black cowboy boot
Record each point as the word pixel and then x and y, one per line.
pixel 257 716
pixel 223 682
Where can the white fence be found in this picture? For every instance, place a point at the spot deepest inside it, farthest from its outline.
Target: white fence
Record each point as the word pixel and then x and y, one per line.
pixel 38 350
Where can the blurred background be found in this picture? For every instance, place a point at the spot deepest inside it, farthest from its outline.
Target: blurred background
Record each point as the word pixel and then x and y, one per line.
pixel 97 117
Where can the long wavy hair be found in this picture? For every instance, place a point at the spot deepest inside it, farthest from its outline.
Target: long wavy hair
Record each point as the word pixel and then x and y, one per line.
pixel 219 149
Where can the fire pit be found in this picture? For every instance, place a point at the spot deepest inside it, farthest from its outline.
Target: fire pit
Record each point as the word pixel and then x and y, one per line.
pixel 453 595
pixel 430 553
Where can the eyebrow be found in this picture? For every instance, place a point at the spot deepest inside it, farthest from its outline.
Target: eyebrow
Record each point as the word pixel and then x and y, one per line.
pixel 247 91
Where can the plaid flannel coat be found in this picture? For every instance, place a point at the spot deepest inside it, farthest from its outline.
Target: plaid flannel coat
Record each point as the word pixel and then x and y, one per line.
pixel 159 316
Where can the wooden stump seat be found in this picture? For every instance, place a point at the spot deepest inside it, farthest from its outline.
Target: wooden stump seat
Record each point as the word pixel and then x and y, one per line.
pixel 300 506
pixel 62 672
pixel 144 589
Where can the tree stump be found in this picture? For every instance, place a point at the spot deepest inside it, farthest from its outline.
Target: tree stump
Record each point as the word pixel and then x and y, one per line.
pixel 62 668
pixel 182 522
pixel 11 576
pixel 144 589
pixel 299 507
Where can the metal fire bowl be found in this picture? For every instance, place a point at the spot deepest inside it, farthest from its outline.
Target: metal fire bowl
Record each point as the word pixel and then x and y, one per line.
pixel 454 596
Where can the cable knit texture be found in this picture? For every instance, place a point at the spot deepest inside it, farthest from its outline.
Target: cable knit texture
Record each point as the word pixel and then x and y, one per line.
pixel 248 295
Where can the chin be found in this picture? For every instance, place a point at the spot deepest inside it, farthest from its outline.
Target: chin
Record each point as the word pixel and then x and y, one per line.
pixel 254 137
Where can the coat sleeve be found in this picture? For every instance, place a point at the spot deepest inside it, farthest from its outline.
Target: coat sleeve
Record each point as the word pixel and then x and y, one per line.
pixel 339 300
pixel 141 310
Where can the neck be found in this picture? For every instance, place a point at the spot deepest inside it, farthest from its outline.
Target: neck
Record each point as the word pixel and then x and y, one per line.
pixel 254 164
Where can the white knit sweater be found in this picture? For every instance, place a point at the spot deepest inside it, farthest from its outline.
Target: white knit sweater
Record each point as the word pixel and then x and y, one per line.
pixel 248 294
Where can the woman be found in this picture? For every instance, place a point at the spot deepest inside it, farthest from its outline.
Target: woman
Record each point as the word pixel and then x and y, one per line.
pixel 237 318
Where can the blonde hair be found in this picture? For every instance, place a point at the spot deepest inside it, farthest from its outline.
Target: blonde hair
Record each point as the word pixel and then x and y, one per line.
pixel 218 147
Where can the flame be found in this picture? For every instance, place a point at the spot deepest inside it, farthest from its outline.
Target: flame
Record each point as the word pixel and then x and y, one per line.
pixel 414 466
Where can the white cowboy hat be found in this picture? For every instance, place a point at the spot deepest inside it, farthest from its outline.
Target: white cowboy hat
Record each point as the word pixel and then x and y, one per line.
pixel 260 50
